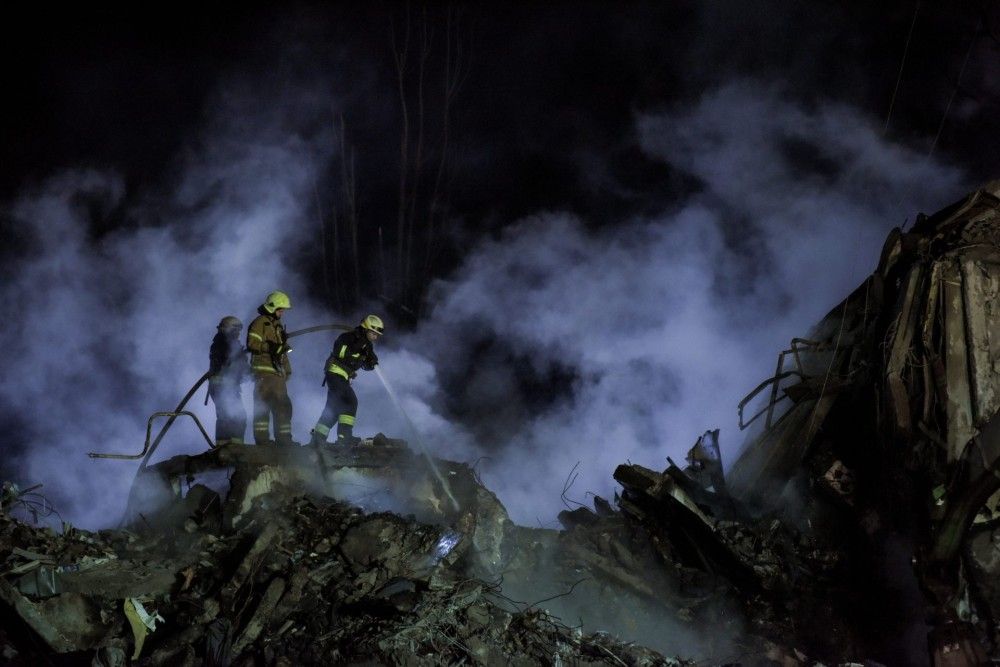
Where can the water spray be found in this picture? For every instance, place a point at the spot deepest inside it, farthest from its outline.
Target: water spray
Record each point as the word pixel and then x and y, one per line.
pixel 416 437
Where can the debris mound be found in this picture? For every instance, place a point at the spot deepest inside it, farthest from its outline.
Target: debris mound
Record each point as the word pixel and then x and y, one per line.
pixel 298 580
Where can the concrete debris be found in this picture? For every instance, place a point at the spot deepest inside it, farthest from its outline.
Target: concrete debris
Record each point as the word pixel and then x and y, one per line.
pixel 280 572
pixel 300 579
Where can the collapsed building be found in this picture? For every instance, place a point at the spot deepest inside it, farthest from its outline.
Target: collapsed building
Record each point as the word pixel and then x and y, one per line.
pixel 857 524
pixel 883 424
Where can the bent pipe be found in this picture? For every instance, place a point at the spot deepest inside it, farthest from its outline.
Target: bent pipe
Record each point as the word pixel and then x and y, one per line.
pixel 149 428
pixel 148 449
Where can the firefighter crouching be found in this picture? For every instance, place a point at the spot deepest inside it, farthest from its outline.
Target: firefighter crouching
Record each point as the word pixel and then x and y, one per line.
pixel 352 350
pixel 228 368
pixel 267 343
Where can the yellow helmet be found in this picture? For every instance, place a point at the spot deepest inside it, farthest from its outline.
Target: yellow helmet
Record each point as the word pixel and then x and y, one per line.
pixel 372 323
pixel 276 300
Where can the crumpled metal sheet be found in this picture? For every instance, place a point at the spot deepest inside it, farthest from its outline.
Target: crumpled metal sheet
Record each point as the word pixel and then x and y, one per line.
pixel 981 282
pixel 961 427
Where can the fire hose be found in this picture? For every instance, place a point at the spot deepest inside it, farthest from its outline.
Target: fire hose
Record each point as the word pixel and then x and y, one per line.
pixel 150 448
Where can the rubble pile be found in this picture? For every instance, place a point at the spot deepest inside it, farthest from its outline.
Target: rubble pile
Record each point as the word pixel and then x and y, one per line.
pixel 702 558
pixel 312 581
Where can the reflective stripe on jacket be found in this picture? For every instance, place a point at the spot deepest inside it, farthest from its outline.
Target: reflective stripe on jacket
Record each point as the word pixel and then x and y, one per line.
pixel 265 336
pixel 350 352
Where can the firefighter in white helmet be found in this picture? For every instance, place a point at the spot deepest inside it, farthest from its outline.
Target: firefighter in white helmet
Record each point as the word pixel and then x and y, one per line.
pixel 228 368
pixel 353 350
pixel 267 342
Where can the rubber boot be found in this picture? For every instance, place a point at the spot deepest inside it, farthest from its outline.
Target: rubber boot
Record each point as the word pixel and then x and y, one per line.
pixel 317 439
pixel 346 437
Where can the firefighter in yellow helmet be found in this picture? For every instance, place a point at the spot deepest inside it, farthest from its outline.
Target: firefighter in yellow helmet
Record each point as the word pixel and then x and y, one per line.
pixel 352 350
pixel 267 343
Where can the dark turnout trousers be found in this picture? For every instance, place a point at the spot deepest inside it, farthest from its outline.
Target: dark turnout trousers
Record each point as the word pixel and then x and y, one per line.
pixel 270 399
pixel 341 407
pixel 230 415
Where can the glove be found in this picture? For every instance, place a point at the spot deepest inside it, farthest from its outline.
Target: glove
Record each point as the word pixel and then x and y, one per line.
pixel 278 349
pixel 371 362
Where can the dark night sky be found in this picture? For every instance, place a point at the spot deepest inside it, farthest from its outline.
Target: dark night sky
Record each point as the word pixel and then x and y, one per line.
pixel 550 86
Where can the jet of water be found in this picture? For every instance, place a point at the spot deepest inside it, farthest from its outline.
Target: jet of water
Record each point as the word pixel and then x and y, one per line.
pixel 416 437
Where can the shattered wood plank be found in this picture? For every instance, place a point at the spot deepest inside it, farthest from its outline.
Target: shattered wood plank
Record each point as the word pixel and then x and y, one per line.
pixel 290 600
pixel 35 619
pixel 931 350
pixel 980 282
pixel 657 486
pixel 637 478
pixel 899 397
pixel 605 567
pixel 31 555
pixel 927 409
pixel 261 614
pixel 250 561
pixel 815 423
pixel 774 453
pixel 693 537
pixel 937 385
pixel 892 249
pixel 931 310
pixel 678 494
pixel 959 400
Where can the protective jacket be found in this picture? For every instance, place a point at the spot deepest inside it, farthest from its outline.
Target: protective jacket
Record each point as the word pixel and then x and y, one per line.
pixel 267 342
pixel 226 359
pixel 228 366
pixel 352 350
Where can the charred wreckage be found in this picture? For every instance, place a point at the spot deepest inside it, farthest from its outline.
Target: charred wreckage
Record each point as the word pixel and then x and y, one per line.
pixel 862 516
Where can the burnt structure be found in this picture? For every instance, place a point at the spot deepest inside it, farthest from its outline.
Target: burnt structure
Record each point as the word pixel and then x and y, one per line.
pixel 884 422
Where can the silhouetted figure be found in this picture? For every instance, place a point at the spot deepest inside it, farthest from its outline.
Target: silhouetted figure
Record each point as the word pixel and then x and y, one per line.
pixel 229 368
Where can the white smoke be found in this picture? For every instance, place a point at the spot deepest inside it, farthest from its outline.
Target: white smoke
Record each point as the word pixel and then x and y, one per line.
pixel 111 328
pixel 662 323
pixel 668 321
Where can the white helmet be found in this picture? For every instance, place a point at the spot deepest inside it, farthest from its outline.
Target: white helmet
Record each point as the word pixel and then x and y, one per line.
pixel 230 322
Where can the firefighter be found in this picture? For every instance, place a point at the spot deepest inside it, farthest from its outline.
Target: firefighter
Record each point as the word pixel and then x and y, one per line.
pixel 228 368
pixel 267 343
pixel 351 351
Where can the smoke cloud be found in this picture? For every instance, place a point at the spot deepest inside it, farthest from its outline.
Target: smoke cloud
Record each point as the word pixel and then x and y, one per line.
pixel 660 325
pixel 114 326
pixel 553 343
